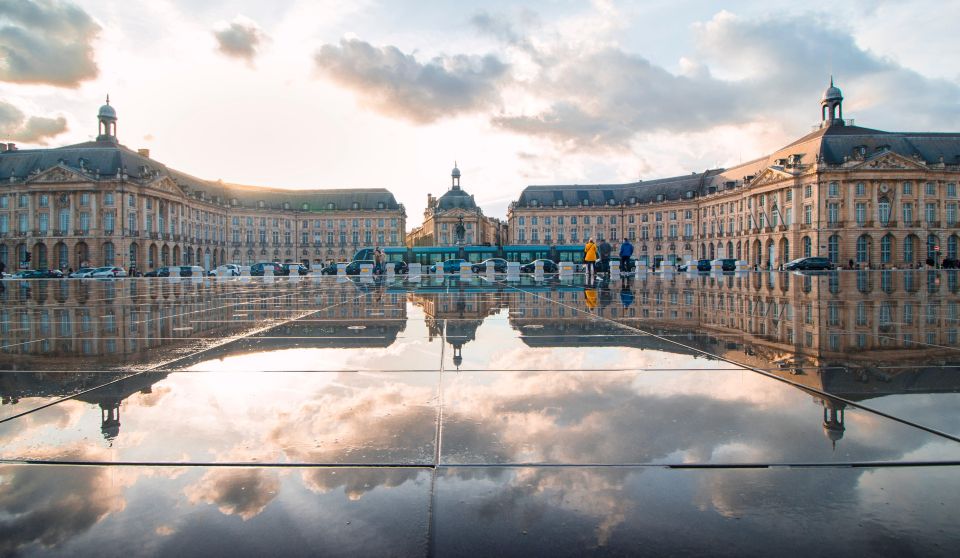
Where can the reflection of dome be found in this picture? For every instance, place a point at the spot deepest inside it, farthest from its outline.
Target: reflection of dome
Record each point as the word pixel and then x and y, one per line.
pixel 456 198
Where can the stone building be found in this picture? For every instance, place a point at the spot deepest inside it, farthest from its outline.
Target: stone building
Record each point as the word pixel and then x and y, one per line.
pixel 100 203
pixel 443 214
pixel 879 199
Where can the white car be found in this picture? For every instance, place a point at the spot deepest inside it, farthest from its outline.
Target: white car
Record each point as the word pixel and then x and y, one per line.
pixel 83 272
pixel 226 270
pixel 109 271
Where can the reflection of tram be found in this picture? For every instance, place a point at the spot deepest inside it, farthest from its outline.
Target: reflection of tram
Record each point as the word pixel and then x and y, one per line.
pixel 429 255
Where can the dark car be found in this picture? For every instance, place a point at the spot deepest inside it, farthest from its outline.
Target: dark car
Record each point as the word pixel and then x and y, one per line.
pixel 353 268
pixel 289 268
pixel 549 266
pixel 702 266
pixel 448 266
pixel 727 264
pixel 330 269
pixel 256 270
pixel 815 263
pixel 153 273
pixel 39 274
pixel 499 265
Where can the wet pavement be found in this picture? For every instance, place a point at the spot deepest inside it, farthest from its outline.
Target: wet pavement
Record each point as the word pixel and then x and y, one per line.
pixel 665 414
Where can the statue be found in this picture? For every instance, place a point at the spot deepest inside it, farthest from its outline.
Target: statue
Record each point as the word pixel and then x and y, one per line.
pixel 460 230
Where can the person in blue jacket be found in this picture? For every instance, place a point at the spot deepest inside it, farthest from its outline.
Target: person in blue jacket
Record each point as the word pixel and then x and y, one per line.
pixel 626 250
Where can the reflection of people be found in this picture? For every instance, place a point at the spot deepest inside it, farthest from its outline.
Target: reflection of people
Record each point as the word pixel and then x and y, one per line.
pixel 590 256
pixel 626 295
pixel 590 295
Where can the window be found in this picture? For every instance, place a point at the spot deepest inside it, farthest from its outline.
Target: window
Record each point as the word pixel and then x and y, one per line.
pixel 64 220
pixel 933 244
pixel 861 213
pixel 84 222
pixel 908 249
pixel 108 198
pixel 131 201
pixel 930 212
pixel 520 221
pixel 908 188
pixel 863 249
pixel 833 249
pixel 599 219
pixel 885 247
pixel 44 223
pixel 907 214
pixel 833 190
pixel 533 220
pixel 4 202
pixel 808 191
pixel 861 189
pixel 931 189
pixel 883 211
pixel 951 189
pixel 84 198
pixel 951 214
pixel 807 247
pixel 833 213
pixel 807 214
pixel 789 196
pixel 44 200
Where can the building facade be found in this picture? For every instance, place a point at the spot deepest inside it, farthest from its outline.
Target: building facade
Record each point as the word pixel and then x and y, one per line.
pixel 873 198
pixel 100 203
pixel 443 214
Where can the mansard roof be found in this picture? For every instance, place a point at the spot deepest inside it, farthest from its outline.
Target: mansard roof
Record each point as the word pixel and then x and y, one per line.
pixel 107 158
pixel 674 188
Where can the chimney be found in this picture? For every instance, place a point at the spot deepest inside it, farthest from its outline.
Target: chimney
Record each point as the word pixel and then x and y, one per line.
pixel 143 152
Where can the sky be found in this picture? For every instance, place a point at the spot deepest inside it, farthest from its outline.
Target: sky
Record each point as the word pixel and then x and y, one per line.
pixel 362 94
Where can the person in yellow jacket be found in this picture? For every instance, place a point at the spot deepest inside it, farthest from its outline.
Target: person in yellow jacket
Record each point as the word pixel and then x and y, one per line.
pixel 590 256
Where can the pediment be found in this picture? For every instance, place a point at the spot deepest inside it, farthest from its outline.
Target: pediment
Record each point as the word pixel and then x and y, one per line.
pixel 167 185
pixel 769 176
pixel 890 160
pixel 58 174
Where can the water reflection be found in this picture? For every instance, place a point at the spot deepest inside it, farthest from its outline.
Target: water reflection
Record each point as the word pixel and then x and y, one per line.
pixel 535 372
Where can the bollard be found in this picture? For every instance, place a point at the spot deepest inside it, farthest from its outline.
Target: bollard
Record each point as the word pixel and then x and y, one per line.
pixel 268 271
pixel 245 271
pixel 566 268
pixel 341 269
pixel 466 269
pixel 413 270
pixel 366 270
pixel 513 271
pixel 716 267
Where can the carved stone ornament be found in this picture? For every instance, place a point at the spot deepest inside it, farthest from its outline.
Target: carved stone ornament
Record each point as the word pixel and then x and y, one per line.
pixel 887 162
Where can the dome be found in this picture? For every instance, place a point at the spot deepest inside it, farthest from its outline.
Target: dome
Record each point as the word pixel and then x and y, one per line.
pixel 455 172
pixel 456 198
pixel 106 111
pixel 832 93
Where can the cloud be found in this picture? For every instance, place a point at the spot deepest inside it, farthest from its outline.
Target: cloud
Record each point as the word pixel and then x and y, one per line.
pixel 243 492
pixel 14 125
pixel 47 42
pixel 397 84
pixel 240 38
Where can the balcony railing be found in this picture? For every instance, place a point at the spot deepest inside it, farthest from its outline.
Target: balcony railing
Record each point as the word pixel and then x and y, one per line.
pixel 80 232
pixel 834 224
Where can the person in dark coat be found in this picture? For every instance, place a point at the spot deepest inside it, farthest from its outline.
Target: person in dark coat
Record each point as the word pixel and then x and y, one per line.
pixel 605 249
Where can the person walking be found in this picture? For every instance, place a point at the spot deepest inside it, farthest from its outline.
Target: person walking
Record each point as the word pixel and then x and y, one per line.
pixel 626 250
pixel 590 257
pixel 605 250
pixel 377 260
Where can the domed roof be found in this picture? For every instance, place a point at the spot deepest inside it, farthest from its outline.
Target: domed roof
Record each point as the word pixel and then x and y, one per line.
pixel 106 111
pixel 832 93
pixel 456 198
pixel 455 172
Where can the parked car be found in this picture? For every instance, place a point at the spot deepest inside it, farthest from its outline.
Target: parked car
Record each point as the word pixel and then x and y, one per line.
pixel 256 269
pixel 153 273
pixel 29 274
pixel 226 270
pixel 499 265
pixel 815 263
pixel 448 266
pixel 353 268
pixel 549 266
pixel 51 273
pixel 331 268
pixel 109 271
pixel 702 266
pixel 82 272
pixel 290 267
pixel 726 264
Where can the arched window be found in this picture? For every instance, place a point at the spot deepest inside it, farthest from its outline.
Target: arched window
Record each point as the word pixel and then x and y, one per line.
pixel 807 247
pixel 952 247
pixel 908 249
pixel 886 244
pixel 933 243
pixel 786 251
pixel 883 211
pixel 863 249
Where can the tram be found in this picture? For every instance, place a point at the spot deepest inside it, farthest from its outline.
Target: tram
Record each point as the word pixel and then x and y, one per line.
pixel 429 255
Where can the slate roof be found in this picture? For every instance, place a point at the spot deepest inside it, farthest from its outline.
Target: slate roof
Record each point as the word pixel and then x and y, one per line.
pixel 107 157
pixel 456 198
pixel 830 145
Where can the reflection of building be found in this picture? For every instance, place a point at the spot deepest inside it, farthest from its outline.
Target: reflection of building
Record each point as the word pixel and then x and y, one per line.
pixel 455 315
pixel 443 214
pixel 842 191
pixel 99 203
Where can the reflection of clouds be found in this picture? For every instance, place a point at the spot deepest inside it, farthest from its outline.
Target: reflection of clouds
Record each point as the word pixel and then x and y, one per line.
pixel 24 430
pixel 50 505
pixel 243 492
